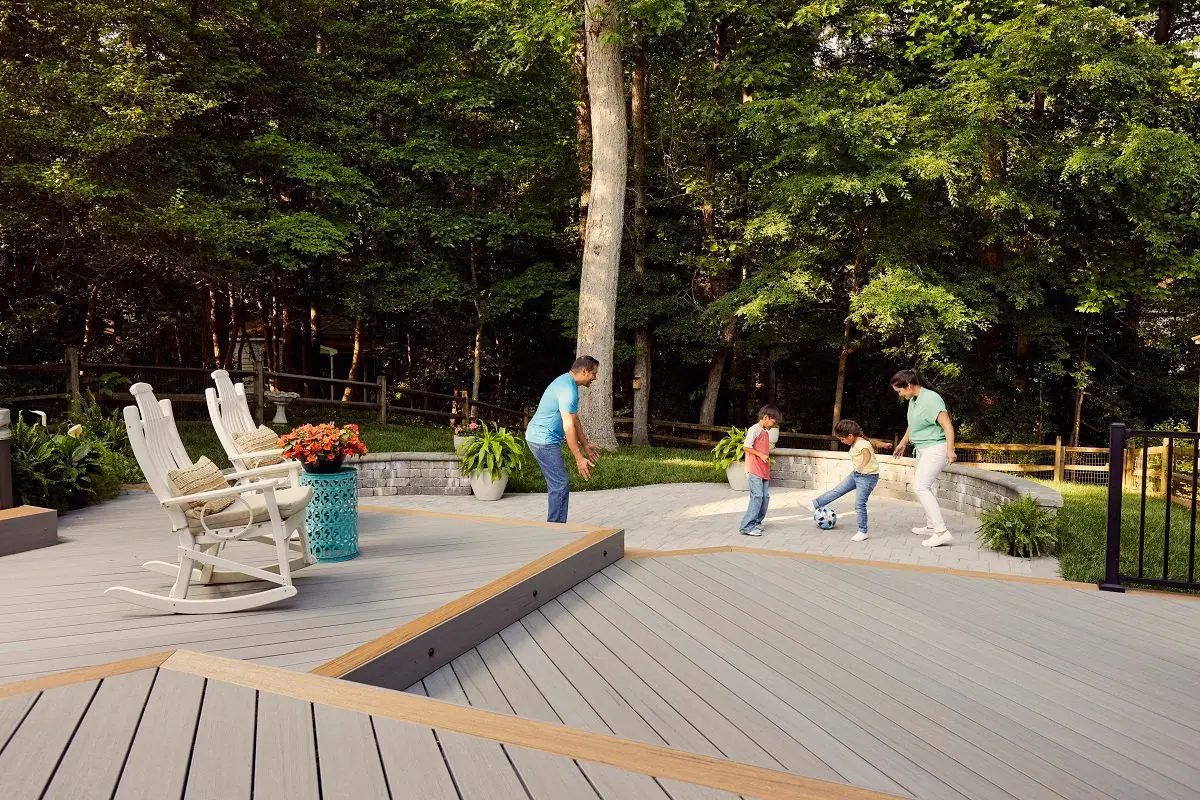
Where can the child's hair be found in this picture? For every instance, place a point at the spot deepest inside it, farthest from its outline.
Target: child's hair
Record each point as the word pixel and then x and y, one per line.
pixel 770 411
pixel 910 377
pixel 848 427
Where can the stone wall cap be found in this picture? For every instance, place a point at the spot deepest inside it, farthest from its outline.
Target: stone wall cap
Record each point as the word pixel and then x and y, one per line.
pixel 424 456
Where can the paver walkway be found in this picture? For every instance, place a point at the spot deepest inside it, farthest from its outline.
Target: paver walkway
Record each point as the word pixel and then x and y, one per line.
pixel 686 515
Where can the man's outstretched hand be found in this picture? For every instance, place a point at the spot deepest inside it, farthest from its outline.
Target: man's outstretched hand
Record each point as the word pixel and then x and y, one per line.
pixel 584 467
pixel 593 452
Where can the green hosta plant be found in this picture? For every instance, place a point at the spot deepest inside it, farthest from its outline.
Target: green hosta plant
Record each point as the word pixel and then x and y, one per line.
pixel 1020 528
pixel 492 450
pixel 730 449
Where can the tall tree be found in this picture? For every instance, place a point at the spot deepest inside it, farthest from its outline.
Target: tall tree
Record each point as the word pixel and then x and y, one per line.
pixel 602 245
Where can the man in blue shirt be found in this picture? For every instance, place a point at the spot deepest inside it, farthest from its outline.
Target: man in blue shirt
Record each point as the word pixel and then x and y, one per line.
pixel 555 421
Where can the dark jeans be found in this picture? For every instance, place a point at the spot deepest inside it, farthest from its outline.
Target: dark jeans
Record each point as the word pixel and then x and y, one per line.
pixel 760 498
pixel 857 482
pixel 550 458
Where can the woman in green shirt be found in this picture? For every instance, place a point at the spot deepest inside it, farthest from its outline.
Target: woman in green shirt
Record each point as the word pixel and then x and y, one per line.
pixel 932 434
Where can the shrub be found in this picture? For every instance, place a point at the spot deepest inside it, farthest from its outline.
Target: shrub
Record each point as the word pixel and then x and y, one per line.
pixel 730 449
pixel 67 470
pixel 107 429
pixel 1020 528
pixel 493 450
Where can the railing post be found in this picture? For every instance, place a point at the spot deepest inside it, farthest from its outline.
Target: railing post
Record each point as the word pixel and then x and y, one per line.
pixel 1059 471
pixel 71 358
pixel 6 485
pixel 260 392
pixel 383 399
pixel 1118 432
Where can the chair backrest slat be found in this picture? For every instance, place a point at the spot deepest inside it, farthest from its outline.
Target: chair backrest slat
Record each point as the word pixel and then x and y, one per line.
pixel 229 410
pixel 154 438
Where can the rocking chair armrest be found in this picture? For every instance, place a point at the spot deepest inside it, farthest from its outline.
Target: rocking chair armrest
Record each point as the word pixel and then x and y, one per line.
pixel 261 453
pixel 230 491
pixel 270 469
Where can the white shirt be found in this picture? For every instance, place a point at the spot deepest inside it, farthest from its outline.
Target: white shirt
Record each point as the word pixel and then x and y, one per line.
pixel 754 430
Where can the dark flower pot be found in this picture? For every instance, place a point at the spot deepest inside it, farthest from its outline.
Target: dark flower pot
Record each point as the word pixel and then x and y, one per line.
pixel 77 500
pixel 325 466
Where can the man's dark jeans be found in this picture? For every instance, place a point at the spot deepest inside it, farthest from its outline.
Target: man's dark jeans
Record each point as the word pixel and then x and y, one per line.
pixel 550 459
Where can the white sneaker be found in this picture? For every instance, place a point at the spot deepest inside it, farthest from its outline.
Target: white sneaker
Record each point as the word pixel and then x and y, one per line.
pixel 938 539
pixel 924 530
pixel 752 532
pixel 861 536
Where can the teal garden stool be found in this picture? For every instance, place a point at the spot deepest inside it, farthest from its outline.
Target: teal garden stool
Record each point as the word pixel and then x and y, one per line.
pixel 333 514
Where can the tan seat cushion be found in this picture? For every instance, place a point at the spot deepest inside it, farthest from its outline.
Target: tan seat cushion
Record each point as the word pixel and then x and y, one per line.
pixel 261 438
pixel 203 476
pixel 292 501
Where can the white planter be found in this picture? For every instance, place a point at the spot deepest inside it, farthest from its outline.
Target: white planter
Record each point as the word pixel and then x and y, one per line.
pixel 459 441
pixel 485 488
pixel 736 474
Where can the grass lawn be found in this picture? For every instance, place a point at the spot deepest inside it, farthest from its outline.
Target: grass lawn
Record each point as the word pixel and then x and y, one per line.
pixel 1084 513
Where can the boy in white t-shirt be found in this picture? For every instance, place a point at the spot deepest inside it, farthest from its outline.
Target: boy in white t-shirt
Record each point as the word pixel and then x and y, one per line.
pixel 862 480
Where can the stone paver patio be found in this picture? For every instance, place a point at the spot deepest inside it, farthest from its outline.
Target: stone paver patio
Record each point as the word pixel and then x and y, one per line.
pixel 688 515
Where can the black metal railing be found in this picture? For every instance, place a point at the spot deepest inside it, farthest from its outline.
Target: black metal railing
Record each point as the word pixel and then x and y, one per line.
pixel 1158 548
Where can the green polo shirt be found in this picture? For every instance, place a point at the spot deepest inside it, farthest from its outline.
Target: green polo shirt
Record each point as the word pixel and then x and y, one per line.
pixel 923 411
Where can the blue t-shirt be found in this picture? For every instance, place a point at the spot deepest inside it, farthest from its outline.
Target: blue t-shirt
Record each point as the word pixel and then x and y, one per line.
pixel 546 427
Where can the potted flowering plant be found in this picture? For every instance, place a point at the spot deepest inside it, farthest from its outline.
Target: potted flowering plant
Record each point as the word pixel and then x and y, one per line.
pixel 464 431
pixel 322 448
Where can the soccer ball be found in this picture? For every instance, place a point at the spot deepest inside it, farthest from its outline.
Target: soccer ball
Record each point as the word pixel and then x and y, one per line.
pixel 826 518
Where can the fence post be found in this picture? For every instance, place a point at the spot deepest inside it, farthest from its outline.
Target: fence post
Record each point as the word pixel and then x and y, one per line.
pixel 260 392
pixel 383 399
pixel 1117 434
pixel 1059 472
pixel 71 358
pixel 6 486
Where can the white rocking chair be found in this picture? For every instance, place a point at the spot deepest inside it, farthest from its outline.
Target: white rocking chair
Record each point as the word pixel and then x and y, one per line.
pixel 230 414
pixel 266 509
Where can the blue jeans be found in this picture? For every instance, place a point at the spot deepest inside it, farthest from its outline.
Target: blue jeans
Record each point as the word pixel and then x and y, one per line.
pixel 550 458
pixel 854 482
pixel 760 497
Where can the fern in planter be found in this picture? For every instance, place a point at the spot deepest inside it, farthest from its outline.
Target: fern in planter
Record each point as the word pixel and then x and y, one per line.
pixel 493 450
pixel 1020 528
pixel 730 449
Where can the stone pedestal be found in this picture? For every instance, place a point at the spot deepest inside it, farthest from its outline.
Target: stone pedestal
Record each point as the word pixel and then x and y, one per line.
pixel 281 401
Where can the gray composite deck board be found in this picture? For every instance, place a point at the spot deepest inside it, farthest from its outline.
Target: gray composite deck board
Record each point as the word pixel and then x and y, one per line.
pixel 349 755
pixel 157 764
pixel 534 693
pixel 285 753
pixel 223 756
pixel 91 765
pixel 54 615
pixel 412 761
pixel 481 768
pixel 728 716
pixel 1154 740
pixel 1109 768
pixel 1043 706
pixel 546 776
pixel 12 711
pixel 837 667
pixel 28 761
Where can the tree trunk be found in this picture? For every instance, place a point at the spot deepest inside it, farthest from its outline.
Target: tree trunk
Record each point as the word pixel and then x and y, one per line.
pixel 583 134
pixel 602 247
pixel 353 375
pixel 268 347
pixel 477 352
pixel 641 336
pixel 716 370
pixel 1080 390
pixel 847 349
pixel 88 313
pixel 1164 24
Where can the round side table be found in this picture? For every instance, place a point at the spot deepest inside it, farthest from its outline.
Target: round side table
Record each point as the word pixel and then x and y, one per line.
pixel 333 514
